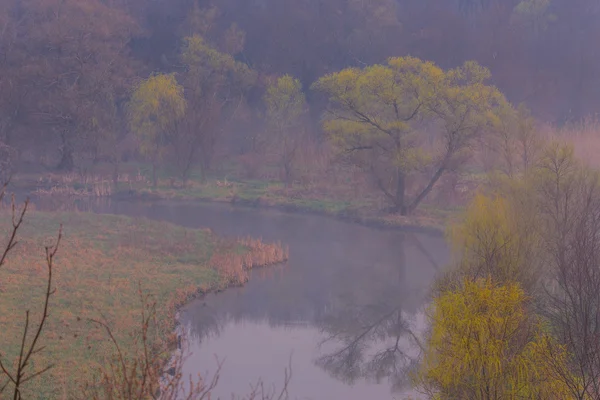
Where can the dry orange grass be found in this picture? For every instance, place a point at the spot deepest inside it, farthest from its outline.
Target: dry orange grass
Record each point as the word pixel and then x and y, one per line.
pixel 100 263
pixel 234 265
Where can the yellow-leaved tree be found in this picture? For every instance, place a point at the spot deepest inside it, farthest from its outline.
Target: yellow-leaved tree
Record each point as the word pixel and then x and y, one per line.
pixel 408 118
pixel 155 109
pixel 485 344
pixel 499 237
pixel 286 105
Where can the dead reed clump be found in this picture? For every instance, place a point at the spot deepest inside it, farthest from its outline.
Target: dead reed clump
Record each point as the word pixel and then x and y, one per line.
pixel 234 266
pixel 263 254
pixel 85 185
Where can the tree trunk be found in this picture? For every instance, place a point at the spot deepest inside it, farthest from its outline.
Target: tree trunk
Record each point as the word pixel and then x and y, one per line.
pixel 287 172
pixel 66 162
pixel 185 174
pixel 399 199
pixel 115 174
pixel 154 180
pixel 426 190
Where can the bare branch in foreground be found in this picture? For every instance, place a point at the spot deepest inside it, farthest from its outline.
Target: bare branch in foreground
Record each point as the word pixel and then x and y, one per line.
pixel 21 375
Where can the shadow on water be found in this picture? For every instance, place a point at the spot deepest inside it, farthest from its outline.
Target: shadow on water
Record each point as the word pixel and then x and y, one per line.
pixel 346 304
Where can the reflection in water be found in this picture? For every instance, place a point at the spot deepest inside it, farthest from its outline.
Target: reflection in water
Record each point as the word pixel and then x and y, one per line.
pixel 375 336
pixel 373 343
pixel 345 305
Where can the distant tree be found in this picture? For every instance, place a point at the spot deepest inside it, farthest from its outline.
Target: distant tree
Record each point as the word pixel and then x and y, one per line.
pixel 155 111
pixel 15 87
pixel 215 85
pixel 286 105
pixel 485 344
pixel 516 140
pixel 77 64
pixel 533 14
pixel 326 35
pixel 376 115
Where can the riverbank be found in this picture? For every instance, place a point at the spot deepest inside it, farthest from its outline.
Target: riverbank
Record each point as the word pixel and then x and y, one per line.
pixel 338 203
pixel 426 220
pixel 99 265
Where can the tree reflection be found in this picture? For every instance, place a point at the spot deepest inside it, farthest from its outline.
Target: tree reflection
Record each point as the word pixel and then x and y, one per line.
pixel 375 337
pixel 372 343
pixel 364 299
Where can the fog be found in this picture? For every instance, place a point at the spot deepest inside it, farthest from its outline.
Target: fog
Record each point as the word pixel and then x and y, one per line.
pixel 339 139
pixel 69 67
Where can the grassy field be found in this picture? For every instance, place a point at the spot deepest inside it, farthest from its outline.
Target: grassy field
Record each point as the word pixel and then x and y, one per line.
pixel 100 263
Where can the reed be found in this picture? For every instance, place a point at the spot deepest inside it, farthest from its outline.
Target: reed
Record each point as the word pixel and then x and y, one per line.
pixel 234 267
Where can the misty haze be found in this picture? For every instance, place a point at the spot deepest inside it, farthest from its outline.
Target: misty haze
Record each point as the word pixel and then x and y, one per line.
pixel 300 199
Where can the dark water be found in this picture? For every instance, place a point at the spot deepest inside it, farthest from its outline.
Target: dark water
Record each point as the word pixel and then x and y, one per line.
pixel 342 309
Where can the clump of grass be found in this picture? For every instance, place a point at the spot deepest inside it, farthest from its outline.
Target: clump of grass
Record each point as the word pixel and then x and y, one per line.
pixel 101 262
pixel 234 266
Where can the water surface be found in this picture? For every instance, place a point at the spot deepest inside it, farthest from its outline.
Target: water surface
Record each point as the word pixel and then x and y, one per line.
pixel 343 307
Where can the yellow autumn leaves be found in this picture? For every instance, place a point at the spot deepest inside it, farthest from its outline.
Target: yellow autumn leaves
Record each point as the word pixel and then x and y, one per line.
pixel 409 118
pixel 485 344
pixel 513 317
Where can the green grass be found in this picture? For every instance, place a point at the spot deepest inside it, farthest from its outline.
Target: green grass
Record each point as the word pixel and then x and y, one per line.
pixel 100 262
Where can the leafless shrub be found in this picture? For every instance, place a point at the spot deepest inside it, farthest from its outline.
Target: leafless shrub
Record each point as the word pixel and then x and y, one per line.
pixel 139 372
pixel 151 372
pixel 570 196
pixel 14 375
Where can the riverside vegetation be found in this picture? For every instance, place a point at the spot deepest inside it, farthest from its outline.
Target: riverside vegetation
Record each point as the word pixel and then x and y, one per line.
pixel 516 315
pixel 121 259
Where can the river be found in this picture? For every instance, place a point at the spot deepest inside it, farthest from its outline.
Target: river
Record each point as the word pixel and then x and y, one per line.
pixel 341 312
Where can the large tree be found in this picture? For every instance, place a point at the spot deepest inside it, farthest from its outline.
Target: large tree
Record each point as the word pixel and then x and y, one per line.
pixel 383 117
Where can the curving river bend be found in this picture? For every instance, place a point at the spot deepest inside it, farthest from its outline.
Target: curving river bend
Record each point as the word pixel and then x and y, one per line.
pixel 342 309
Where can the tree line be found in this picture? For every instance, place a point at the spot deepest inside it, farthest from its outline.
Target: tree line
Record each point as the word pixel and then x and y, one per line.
pixel 188 77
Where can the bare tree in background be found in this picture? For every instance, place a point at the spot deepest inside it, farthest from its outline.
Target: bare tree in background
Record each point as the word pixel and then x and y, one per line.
pixel 571 202
pixel 8 157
